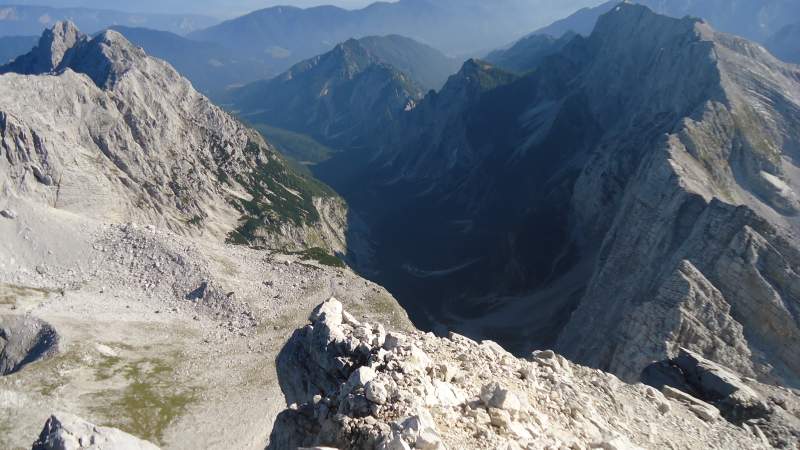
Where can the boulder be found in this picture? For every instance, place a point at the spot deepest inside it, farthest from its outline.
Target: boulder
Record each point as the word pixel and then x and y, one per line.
pixel 702 409
pixel 23 340
pixel 718 384
pixel 68 432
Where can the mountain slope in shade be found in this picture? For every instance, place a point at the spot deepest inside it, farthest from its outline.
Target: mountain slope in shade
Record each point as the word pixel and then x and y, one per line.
pixel 785 44
pixel 340 97
pixel 16 20
pixel 14 46
pixel 427 66
pixel 96 127
pixel 586 206
pixel 530 51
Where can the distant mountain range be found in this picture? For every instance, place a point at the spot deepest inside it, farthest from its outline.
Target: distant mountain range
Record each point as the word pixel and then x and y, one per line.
pixel 282 36
pixel 24 20
pixel 265 43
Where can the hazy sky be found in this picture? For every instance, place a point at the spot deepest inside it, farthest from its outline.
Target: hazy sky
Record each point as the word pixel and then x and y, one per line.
pixel 221 8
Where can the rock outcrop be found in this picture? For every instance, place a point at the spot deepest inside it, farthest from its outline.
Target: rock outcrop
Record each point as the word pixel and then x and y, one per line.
pixel 355 385
pixel 67 432
pixel 23 340
pixel 769 410
pixel 95 126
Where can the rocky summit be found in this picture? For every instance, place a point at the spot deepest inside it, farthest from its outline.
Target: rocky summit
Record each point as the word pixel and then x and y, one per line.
pixel 356 385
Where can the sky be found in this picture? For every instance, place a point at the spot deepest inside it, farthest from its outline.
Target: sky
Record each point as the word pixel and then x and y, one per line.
pixel 219 8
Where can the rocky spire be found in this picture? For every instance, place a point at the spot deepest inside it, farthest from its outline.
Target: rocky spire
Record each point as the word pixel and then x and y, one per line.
pixel 53 48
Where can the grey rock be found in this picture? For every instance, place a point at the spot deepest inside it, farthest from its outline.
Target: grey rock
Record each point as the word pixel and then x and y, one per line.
pixel 67 432
pixel 9 214
pixel 376 392
pixel 703 410
pixel 41 177
pixel 718 384
pixel 24 340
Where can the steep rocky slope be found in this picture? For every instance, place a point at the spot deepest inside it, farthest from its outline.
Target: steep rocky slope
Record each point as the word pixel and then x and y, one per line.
pixel 103 129
pixel 530 51
pixel 610 204
pixel 353 385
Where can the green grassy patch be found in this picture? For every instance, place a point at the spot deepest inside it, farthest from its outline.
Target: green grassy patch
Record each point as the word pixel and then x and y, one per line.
pixel 321 256
pixel 151 401
pixel 280 196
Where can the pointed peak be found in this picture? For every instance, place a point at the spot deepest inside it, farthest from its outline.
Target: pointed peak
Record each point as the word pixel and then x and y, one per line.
pixel 351 47
pixel 65 28
pixel 59 38
pixel 49 53
pixel 476 76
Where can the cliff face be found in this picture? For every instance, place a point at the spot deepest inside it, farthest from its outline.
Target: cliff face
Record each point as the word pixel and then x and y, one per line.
pixel 97 127
pixel 706 225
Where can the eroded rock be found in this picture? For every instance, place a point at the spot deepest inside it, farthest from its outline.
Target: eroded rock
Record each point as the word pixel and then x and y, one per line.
pixel 23 340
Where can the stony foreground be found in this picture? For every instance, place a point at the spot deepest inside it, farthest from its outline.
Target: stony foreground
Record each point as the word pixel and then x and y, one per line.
pixel 354 385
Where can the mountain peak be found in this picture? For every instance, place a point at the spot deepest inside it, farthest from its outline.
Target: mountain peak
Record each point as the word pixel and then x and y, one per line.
pixel 57 41
pixel 103 58
pixel 50 52
pixel 627 18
